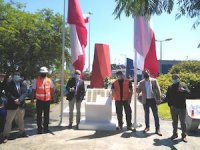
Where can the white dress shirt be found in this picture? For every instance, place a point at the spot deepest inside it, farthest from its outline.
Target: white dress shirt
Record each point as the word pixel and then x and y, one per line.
pixel 148 87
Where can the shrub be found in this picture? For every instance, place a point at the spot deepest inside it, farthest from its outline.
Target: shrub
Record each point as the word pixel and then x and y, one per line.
pixel 189 73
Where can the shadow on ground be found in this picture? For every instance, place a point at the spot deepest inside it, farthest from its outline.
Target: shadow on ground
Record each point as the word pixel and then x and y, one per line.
pixel 136 134
pixel 166 142
pixel 97 134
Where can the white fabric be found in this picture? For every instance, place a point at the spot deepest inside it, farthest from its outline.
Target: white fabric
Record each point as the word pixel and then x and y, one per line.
pixel 76 48
pixel 148 87
pixel 17 84
pixel 142 40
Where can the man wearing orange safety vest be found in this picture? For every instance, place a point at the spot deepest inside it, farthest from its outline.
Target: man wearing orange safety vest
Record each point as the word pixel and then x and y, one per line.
pixel 122 93
pixel 44 92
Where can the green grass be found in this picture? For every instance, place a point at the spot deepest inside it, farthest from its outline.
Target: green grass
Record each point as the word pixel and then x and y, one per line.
pixel 164 111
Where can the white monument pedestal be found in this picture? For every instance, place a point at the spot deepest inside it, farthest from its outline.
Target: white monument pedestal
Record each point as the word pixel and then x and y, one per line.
pixel 192 114
pixel 98 111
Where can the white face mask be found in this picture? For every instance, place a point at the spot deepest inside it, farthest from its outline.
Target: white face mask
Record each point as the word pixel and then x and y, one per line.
pixel 175 81
pixel 17 78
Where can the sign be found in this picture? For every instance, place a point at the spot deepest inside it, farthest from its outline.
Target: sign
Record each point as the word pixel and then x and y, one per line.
pixel 193 108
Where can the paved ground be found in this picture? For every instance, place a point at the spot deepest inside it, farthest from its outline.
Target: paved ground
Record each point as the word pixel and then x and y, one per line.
pixel 62 138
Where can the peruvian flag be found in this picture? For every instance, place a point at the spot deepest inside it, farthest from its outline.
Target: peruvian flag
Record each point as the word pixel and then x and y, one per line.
pixel 145 48
pixel 78 34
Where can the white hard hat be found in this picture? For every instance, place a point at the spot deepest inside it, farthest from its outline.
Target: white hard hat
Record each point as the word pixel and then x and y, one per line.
pixel 43 70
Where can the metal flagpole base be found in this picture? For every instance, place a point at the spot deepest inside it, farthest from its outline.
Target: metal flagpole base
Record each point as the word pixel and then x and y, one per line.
pixel 136 125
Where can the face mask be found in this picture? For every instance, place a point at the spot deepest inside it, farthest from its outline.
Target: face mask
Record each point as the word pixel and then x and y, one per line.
pixel 146 76
pixel 17 78
pixel 43 75
pixel 175 81
pixel 77 76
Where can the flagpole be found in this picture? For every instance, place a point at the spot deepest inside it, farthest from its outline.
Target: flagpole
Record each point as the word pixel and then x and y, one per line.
pixel 135 85
pixel 62 69
pixel 90 13
pixel 135 124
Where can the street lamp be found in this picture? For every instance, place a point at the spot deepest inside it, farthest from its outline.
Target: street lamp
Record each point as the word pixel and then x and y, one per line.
pixel 90 13
pixel 168 39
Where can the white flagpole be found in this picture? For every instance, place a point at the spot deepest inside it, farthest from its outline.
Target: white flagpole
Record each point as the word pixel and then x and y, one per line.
pixel 62 69
pixel 135 124
pixel 135 85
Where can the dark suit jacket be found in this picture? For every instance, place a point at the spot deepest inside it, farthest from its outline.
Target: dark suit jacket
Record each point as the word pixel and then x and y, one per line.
pixel 12 94
pixel 80 91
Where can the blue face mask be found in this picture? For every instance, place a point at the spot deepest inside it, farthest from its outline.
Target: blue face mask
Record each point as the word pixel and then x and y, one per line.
pixel 77 76
pixel 175 81
pixel 17 78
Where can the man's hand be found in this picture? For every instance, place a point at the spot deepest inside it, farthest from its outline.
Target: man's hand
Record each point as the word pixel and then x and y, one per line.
pixel 17 101
pixel 158 101
pixel 32 101
pixel 72 89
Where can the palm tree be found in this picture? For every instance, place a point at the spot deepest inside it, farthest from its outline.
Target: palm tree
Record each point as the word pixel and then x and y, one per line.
pixel 144 8
pixel 147 8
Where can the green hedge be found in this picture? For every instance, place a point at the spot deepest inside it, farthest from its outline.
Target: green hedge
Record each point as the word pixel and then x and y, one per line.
pixel 189 72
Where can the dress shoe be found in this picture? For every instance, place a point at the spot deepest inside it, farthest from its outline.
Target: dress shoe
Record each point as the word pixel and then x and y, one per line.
pixel 174 136
pixel 158 132
pixel 77 127
pixel 184 139
pixel 5 140
pixel 130 128
pixel 119 127
pixel 70 126
pixel 39 132
pixel 47 131
pixel 146 130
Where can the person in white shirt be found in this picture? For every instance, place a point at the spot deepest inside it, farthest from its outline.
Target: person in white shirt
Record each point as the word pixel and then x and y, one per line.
pixel 151 95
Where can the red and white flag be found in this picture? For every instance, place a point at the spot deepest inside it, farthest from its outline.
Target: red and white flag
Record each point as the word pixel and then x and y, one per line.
pixel 145 48
pixel 78 34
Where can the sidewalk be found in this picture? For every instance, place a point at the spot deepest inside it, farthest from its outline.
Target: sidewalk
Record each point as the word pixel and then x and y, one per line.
pixel 62 138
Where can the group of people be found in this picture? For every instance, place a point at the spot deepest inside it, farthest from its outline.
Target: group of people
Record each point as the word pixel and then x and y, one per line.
pixel 148 90
pixel 15 91
pixel 122 90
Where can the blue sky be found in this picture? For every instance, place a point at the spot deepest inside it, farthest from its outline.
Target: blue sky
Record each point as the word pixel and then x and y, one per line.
pixel 118 34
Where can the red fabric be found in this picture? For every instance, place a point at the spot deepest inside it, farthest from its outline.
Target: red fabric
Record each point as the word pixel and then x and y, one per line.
pixel 75 17
pixel 101 65
pixel 144 44
pixel 151 62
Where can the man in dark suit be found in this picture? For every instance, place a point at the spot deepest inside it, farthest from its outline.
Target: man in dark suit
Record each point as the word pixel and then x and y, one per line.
pixel 3 79
pixel 16 92
pixel 75 94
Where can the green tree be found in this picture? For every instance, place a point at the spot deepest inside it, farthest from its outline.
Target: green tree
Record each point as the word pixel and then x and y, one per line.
pixel 30 40
pixel 189 72
pixel 147 8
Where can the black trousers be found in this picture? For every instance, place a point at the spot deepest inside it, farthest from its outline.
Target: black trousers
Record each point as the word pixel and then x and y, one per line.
pixel 119 110
pixel 42 107
pixel 2 119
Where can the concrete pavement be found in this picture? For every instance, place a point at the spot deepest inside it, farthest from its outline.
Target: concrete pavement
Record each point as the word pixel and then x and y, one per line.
pixel 62 138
